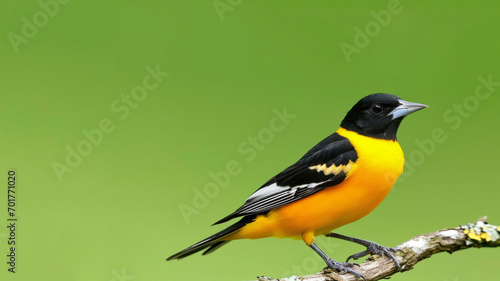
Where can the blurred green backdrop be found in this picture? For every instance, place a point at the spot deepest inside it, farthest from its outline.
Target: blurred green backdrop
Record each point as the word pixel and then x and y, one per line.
pixel 89 80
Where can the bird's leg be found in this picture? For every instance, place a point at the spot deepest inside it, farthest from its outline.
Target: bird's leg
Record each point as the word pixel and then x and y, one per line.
pixel 339 266
pixel 371 248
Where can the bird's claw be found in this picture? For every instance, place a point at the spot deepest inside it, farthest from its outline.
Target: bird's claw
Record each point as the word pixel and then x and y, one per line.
pixel 358 255
pixel 374 248
pixel 343 267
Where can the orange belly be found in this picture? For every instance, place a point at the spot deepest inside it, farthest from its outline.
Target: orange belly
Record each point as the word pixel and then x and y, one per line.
pixel 379 164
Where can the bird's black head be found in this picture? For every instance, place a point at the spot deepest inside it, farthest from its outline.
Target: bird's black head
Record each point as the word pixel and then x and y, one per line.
pixel 379 115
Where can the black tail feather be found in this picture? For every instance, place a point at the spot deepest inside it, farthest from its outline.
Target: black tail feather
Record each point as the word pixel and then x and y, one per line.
pixel 215 246
pixel 214 242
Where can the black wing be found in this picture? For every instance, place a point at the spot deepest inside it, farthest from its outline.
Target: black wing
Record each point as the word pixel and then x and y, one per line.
pixel 326 164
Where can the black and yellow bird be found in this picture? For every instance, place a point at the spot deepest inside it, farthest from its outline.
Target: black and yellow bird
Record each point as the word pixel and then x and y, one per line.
pixel 340 180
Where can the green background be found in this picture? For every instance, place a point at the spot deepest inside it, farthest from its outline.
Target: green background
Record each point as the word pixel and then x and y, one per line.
pixel 117 214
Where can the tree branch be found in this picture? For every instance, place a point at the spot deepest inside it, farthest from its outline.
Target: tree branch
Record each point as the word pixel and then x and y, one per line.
pixel 472 235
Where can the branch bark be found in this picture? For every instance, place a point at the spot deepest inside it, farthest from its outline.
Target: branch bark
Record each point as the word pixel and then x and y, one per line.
pixel 472 235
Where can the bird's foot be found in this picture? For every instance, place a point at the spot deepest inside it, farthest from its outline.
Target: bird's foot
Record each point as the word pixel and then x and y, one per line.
pixel 343 267
pixel 374 248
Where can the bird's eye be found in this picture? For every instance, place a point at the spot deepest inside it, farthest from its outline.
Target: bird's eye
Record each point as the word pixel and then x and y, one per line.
pixel 377 108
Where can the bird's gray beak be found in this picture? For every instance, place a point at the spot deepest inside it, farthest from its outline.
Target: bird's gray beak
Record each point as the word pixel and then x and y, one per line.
pixel 405 108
